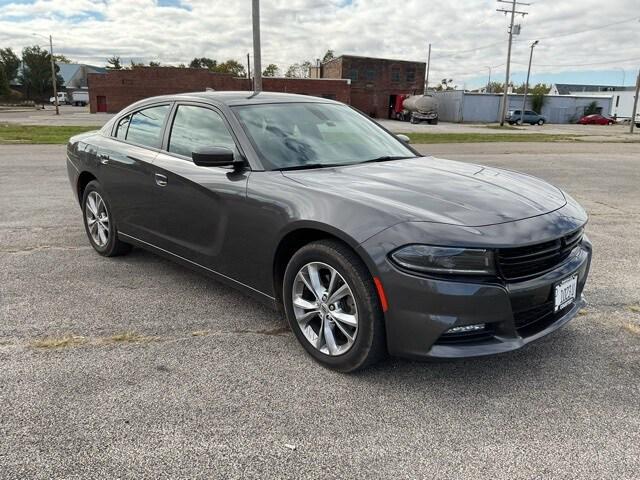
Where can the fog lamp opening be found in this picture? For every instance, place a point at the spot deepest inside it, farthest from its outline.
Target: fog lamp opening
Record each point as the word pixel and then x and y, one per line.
pixel 467 328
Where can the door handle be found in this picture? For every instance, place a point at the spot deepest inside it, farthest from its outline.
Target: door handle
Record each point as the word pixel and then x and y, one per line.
pixel 104 158
pixel 161 180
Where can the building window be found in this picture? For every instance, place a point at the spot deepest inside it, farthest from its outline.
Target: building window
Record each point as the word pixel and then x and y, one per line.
pixel 411 74
pixel 395 74
pixel 353 74
pixel 370 74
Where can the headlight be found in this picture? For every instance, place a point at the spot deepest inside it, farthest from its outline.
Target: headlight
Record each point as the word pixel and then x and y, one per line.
pixel 442 260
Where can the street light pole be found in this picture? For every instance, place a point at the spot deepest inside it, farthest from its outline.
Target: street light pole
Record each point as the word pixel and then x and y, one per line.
pixel 526 84
pixel 257 67
pixel 426 78
pixel 53 75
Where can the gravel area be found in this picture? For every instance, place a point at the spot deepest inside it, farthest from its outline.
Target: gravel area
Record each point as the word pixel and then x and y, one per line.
pixel 162 373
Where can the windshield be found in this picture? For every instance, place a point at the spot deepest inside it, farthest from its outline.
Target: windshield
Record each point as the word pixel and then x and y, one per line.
pixel 299 135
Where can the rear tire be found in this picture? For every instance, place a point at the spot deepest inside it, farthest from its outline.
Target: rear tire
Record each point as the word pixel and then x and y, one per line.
pixel 540 122
pixel 313 266
pixel 100 224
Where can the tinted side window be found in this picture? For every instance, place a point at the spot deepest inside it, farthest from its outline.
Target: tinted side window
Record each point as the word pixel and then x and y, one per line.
pixel 121 129
pixel 198 127
pixel 145 126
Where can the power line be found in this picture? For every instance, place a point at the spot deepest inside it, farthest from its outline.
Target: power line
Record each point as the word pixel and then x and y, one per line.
pixel 581 64
pixel 599 27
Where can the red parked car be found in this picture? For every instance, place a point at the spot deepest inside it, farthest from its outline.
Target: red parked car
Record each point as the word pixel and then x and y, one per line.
pixel 596 119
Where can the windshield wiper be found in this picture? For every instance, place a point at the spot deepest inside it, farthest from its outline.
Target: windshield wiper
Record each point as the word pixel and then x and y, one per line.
pixel 386 158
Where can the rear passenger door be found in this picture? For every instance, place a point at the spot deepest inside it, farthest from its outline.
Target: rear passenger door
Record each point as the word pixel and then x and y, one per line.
pixel 126 169
pixel 198 205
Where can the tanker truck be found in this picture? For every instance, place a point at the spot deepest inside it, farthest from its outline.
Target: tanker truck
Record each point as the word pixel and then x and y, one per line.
pixel 417 108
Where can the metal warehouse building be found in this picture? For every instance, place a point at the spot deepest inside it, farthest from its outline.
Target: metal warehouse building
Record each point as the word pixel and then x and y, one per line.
pixel 460 106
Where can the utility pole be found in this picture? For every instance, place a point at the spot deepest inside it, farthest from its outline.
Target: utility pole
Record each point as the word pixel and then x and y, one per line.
pixel 53 75
pixel 426 78
pixel 257 67
pixel 489 81
pixel 513 12
pixel 249 70
pixel 526 84
pixel 635 104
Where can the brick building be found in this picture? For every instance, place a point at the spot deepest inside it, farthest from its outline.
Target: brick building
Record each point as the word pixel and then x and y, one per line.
pixel 369 84
pixel 375 82
pixel 112 91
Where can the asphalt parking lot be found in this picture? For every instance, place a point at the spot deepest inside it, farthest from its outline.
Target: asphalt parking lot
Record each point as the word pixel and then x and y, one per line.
pixel 168 374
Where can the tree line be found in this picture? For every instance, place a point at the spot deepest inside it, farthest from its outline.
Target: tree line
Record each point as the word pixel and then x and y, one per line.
pixel 231 66
pixel 34 76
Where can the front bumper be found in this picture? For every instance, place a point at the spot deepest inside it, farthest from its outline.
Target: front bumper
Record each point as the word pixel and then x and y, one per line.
pixel 422 310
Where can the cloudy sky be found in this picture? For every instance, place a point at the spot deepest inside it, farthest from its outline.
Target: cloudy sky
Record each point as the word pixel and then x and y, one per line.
pixel 581 41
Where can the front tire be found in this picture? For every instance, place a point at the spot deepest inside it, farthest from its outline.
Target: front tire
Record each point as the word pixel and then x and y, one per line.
pixel 333 307
pixel 99 223
pixel 540 122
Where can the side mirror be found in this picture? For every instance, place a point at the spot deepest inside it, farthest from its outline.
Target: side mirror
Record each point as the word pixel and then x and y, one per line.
pixel 403 138
pixel 213 157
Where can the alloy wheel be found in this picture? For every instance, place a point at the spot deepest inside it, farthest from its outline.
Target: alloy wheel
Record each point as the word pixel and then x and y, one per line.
pixel 325 308
pixel 97 219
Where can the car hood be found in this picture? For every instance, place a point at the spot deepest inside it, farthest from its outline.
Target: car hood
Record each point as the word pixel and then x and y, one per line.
pixel 437 190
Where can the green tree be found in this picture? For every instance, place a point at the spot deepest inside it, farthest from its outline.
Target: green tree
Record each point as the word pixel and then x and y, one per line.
pixel 113 63
pixel 4 83
pixel 495 87
pixel 445 84
pixel 36 73
pixel 591 108
pixel 203 62
pixel 270 71
pixel 330 55
pixel 299 70
pixel 231 66
pixel 134 64
pixel 61 59
pixel 10 63
pixel 154 64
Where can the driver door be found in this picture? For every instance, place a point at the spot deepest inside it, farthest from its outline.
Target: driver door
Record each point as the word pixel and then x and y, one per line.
pixel 196 203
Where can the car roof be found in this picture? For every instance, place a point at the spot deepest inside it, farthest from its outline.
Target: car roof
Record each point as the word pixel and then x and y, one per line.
pixel 234 98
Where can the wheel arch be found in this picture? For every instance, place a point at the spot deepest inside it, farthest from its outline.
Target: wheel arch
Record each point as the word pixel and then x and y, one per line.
pixel 83 180
pixel 297 237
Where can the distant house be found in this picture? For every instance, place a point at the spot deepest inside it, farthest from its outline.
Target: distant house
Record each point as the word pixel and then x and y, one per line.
pixel 621 96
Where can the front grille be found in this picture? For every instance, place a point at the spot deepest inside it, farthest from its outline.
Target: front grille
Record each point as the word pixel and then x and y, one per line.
pixel 537 318
pixel 524 262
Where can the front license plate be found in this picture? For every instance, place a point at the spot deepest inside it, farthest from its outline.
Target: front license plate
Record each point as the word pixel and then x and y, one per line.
pixel 565 292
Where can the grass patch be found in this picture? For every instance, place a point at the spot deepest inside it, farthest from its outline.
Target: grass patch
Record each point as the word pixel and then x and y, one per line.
pixel 58 342
pixel 11 133
pixel 504 127
pixel 631 327
pixel 634 308
pixel 128 337
pixel 426 138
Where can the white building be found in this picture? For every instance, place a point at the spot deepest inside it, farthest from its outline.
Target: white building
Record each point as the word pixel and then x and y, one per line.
pixel 621 97
pixel 461 106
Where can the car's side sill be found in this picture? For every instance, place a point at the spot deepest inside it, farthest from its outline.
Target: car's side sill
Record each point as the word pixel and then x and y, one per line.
pixel 263 297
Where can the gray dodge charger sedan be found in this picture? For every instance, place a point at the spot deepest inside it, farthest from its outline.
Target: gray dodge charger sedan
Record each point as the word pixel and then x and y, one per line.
pixel 367 247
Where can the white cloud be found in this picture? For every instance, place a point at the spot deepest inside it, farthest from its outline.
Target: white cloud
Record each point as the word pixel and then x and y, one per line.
pixel 296 30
